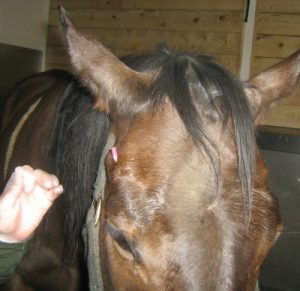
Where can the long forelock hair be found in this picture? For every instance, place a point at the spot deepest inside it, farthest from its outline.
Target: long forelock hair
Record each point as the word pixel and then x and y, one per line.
pixel 76 144
pixel 80 132
pixel 178 73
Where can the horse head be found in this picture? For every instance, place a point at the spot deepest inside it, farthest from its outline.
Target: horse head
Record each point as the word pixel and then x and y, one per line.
pixel 187 205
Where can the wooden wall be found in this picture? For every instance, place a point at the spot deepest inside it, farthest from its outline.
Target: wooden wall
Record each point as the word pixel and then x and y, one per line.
pixel 277 35
pixel 211 27
pixel 136 26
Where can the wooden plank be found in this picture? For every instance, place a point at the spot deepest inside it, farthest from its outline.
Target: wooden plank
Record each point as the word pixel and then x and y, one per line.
pixel 231 62
pixel 236 5
pixel 286 6
pixel 284 116
pixel 294 99
pixel 130 39
pixel 58 55
pixel 278 24
pixel 275 46
pixel 260 64
pixel 74 4
pixel 225 21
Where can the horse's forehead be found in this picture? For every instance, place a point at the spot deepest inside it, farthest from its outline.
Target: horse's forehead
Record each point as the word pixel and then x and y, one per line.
pixel 154 131
pixel 147 155
pixel 157 161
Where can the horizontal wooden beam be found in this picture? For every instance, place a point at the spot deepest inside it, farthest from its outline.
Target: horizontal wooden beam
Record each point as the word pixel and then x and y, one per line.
pixel 281 6
pixel 221 21
pixel 278 24
pixel 236 5
pixel 131 39
pixel 58 55
pixel 275 46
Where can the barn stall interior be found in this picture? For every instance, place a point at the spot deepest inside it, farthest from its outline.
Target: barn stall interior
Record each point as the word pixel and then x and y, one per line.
pixel 244 35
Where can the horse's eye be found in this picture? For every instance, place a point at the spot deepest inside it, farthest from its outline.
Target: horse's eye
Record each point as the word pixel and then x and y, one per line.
pixel 123 242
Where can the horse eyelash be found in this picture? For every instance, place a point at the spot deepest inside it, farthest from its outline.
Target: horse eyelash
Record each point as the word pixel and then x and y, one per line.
pixel 121 240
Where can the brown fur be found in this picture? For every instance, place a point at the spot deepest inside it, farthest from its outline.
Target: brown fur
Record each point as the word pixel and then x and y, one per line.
pixel 175 230
pixel 161 196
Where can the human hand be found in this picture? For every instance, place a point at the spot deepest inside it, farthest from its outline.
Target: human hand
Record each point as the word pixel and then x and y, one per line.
pixel 25 200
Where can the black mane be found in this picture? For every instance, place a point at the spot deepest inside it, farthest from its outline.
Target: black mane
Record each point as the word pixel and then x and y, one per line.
pixel 76 146
pixel 80 132
pixel 217 90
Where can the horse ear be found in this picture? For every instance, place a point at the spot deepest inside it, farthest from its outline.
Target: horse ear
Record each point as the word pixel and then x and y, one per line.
pixel 120 91
pixel 275 83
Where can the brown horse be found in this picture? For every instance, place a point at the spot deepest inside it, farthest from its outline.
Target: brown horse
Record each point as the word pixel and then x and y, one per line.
pixel 38 123
pixel 186 205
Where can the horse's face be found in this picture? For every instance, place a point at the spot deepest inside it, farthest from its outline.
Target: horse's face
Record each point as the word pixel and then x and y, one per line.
pixel 140 233
pixel 183 196
pixel 154 205
pixel 161 229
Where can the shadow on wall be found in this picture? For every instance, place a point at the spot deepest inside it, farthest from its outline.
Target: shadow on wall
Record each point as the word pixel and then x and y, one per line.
pixel 17 63
pixel 281 151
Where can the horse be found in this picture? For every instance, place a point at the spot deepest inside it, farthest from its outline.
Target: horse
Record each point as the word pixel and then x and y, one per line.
pixel 185 205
